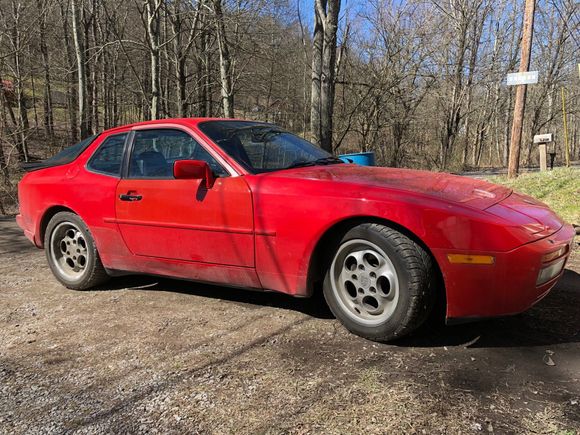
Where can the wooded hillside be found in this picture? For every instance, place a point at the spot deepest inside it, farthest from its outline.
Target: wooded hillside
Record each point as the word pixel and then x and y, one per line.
pixel 421 83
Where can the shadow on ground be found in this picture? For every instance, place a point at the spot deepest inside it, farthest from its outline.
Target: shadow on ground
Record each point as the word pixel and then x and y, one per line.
pixel 315 306
pixel 12 240
pixel 556 319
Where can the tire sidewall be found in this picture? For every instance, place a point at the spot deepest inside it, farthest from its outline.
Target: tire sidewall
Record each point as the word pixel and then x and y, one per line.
pixel 393 324
pixel 57 219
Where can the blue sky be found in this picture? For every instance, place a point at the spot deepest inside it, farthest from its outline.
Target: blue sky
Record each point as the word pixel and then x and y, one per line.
pixel 348 7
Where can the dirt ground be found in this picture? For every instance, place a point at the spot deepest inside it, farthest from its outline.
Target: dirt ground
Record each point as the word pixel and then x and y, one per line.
pixel 150 355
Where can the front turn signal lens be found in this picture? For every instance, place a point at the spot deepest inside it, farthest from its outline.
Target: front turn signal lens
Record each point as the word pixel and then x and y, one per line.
pixel 470 259
pixel 556 254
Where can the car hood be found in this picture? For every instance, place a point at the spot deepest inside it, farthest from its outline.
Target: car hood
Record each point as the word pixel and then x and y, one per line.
pixel 529 213
pixel 471 192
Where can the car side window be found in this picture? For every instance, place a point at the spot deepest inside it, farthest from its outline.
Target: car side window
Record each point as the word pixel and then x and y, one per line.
pixel 155 151
pixel 108 158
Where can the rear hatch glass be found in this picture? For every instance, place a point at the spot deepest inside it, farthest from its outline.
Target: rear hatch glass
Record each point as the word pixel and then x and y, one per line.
pixel 67 155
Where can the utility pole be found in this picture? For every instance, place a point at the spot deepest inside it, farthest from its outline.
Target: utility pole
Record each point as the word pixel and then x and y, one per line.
pixel 566 143
pixel 520 104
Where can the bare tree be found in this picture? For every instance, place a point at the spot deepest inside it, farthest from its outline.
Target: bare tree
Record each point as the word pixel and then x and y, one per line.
pixel 151 17
pixel 226 64
pixel 326 14
pixel 80 55
pixel 43 7
pixel 420 83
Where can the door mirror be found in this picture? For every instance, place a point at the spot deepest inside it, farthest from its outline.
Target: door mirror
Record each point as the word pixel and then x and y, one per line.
pixel 194 170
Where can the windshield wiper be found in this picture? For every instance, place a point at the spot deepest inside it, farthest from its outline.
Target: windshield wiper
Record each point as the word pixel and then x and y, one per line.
pixel 328 160
pixel 322 161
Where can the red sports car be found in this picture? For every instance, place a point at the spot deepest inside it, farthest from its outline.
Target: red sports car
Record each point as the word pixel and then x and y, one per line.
pixel 247 204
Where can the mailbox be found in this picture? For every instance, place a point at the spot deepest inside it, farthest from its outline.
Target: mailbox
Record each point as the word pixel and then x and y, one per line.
pixel 544 138
pixel 546 146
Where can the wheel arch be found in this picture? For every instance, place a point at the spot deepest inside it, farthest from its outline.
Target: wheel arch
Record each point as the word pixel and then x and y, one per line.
pixel 328 242
pixel 48 214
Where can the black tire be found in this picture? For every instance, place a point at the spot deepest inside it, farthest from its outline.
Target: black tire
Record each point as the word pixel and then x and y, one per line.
pixel 92 273
pixel 416 284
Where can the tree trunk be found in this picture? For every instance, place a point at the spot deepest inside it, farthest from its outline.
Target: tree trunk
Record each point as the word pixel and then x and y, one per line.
pixel 328 70
pixel 33 99
pixel 453 116
pixel 226 67
pixel 474 48
pixel 202 68
pixel 165 74
pixel 180 63
pixel 154 113
pixel 85 23
pixel 317 48
pixel 81 71
pixel 323 71
pixel 115 110
pixel 208 88
pixel 70 76
pixel 4 128
pixel 47 106
pixel 98 62
pixel 153 26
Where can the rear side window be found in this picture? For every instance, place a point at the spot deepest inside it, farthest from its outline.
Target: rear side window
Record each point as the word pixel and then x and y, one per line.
pixel 108 158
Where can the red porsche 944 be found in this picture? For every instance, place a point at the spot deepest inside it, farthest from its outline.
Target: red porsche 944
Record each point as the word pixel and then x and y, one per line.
pixel 247 204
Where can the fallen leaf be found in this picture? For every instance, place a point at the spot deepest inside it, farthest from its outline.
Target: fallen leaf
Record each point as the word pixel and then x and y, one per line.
pixel 548 360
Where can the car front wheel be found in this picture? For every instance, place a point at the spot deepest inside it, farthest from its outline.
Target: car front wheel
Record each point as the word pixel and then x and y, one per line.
pixel 379 283
pixel 71 252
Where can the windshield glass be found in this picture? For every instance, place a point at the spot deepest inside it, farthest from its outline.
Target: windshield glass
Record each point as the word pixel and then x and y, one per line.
pixel 261 147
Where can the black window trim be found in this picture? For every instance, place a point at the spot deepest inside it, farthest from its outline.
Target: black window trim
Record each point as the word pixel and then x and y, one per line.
pixel 130 145
pixel 94 171
pixel 127 154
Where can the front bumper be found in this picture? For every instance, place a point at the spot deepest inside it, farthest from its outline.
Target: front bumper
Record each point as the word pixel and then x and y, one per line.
pixel 506 287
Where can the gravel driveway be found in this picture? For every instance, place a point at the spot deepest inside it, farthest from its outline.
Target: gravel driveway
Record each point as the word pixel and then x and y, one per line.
pixel 150 355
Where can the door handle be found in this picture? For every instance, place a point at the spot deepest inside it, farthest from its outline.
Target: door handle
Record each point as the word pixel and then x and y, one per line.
pixel 127 197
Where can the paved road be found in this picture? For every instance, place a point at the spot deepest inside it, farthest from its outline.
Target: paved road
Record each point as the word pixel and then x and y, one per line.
pixel 503 171
pixel 141 355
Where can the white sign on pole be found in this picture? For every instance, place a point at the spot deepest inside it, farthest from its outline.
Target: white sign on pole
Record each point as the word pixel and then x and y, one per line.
pixel 544 138
pixel 523 78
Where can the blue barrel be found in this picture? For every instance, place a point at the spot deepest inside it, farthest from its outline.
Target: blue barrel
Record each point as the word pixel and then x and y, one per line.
pixel 363 159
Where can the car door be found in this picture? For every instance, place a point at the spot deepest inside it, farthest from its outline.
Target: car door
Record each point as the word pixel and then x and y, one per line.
pixel 162 217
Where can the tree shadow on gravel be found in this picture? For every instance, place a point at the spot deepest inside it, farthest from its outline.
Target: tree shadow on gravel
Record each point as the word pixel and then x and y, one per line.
pixel 12 240
pixel 554 320
pixel 315 306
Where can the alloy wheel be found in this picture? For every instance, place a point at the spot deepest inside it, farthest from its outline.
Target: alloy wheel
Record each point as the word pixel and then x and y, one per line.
pixel 365 282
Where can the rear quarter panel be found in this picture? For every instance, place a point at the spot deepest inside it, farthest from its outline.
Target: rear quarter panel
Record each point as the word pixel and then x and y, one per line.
pixel 90 195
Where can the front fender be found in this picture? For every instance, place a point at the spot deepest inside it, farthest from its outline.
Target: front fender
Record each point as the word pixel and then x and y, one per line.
pixel 290 223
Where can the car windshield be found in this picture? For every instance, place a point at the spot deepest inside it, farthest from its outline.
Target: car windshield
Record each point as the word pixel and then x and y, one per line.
pixel 261 147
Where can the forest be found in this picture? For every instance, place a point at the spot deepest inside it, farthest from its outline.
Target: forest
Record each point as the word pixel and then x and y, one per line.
pixel 422 83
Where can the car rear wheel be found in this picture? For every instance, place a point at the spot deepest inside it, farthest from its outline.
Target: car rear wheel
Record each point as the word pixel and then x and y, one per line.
pixel 71 252
pixel 379 283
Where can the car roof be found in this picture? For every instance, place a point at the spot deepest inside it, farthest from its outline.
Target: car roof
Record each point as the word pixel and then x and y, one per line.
pixel 176 121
